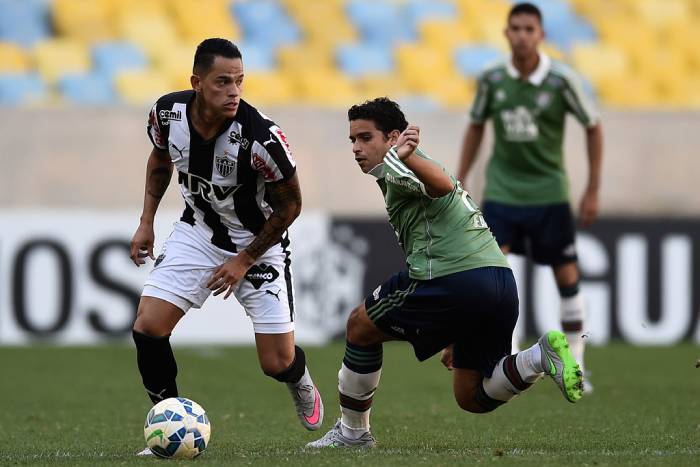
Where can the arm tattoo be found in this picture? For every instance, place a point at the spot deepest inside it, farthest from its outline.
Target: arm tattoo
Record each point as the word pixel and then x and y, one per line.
pixel 158 181
pixel 285 200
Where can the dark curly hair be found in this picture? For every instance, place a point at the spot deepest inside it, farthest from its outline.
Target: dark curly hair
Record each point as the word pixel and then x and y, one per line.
pixel 525 8
pixel 385 113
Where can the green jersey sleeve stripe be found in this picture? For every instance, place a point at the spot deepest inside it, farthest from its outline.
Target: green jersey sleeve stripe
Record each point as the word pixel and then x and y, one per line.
pixel 576 97
pixel 478 112
pixel 396 164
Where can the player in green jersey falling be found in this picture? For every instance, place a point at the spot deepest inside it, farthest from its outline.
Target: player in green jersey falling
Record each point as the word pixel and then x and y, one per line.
pixel 526 201
pixel 458 293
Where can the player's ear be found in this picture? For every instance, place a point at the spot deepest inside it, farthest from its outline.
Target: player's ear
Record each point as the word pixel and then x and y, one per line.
pixel 195 82
pixel 394 136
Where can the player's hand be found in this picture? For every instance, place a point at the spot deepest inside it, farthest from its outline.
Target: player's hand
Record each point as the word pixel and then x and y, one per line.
pixel 588 210
pixel 226 277
pixel 142 244
pixel 446 357
pixel 408 141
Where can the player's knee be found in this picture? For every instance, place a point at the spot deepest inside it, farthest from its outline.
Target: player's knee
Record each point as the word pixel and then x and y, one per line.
pixel 150 326
pixel 360 330
pixel 276 364
pixel 469 404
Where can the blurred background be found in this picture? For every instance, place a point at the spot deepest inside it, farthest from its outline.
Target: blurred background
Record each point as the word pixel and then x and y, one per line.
pixel 77 78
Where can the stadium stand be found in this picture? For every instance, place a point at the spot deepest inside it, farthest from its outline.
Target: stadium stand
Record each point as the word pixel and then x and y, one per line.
pixel 633 53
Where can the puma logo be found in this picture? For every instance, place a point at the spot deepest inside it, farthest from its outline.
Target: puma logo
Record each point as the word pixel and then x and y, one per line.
pixel 177 149
pixel 271 140
pixel 159 395
pixel 276 295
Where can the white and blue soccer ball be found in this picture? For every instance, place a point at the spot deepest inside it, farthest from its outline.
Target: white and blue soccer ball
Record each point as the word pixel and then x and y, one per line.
pixel 177 428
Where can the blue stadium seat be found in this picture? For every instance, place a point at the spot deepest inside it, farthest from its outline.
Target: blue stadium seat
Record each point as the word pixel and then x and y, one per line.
pixel 380 22
pixel 257 56
pixel 110 58
pixel 265 22
pixel 90 89
pixel 24 21
pixel 471 60
pixel 18 89
pixel 422 10
pixel 359 60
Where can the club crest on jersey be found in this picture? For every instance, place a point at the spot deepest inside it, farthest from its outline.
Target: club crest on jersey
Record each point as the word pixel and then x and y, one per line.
pixel 167 115
pixel 543 99
pixel 236 138
pixel 224 163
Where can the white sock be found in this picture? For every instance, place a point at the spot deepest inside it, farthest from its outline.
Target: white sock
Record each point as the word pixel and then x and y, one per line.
pixel 573 311
pixel 360 388
pixel 529 363
pixel 507 380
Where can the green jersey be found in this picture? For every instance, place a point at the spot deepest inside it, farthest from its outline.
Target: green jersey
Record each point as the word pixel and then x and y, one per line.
pixel 526 166
pixel 439 236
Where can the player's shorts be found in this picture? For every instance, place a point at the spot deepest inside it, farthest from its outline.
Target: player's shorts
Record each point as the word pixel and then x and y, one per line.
pixel 476 310
pixel 546 233
pixel 186 263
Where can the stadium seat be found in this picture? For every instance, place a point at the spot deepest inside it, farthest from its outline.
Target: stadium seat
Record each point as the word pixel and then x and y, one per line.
pixel 25 22
pixel 199 20
pixel 175 63
pixel 380 22
pixel 13 59
pixel 418 11
pixel 110 58
pixel 600 62
pixel 152 33
pixel 418 66
pixel 142 88
pixel 298 58
pixel 473 59
pixel 87 21
pixel 59 57
pixel 445 34
pixel 357 60
pixel 369 87
pixel 335 28
pixel 269 88
pixel 257 56
pixel 21 89
pixel 326 88
pixel 89 89
pixel 265 22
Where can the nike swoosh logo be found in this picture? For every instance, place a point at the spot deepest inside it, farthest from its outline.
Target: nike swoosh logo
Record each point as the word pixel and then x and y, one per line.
pixel 552 368
pixel 316 414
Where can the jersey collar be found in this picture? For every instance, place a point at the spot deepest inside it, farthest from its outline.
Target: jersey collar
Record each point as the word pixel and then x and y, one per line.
pixel 378 171
pixel 537 76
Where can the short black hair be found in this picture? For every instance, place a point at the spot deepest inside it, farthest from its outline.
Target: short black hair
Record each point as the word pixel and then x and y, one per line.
pixel 211 48
pixel 525 8
pixel 385 113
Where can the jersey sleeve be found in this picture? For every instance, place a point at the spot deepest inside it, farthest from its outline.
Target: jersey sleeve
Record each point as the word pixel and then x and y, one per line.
pixel 480 107
pixel 155 131
pixel 578 102
pixel 272 157
pixel 403 178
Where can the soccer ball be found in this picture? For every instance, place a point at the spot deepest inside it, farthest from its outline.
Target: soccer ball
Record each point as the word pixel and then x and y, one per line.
pixel 177 428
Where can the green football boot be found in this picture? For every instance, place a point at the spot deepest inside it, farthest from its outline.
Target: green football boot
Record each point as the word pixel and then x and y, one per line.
pixel 560 364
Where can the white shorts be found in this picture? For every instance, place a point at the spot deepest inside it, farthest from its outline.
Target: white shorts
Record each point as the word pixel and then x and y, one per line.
pixel 186 263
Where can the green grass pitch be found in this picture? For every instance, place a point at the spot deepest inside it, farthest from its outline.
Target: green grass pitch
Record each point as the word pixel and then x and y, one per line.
pixel 85 406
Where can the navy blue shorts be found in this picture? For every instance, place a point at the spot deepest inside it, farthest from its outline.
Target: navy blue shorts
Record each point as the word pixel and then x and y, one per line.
pixel 476 310
pixel 546 233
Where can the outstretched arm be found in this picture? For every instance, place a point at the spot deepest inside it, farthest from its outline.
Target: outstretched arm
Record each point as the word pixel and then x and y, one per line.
pixel 285 200
pixel 437 182
pixel 588 209
pixel 470 150
pixel 159 170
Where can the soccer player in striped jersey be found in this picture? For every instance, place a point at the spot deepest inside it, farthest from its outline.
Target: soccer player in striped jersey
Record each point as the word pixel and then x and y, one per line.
pixel 458 292
pixel 526 200
pixel 238 179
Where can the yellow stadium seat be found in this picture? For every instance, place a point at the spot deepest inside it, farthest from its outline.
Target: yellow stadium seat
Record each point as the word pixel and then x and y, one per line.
pixel 453 91
pixel 13 59
pixel 446 34
pixel 176 63
pixel 84 20
pixel 56 58
pixel 418 66
pixel 327 88
pixel 153 33
pixel 599 62
pixel 628 92
pixel 299 58
pixel 323 23
pixel 199 20
pixel 269 88
pixel 661 12
pixel 370 87
pixel 142 87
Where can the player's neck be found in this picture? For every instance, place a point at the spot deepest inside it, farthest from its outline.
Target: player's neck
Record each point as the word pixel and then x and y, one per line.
pixel 526 65
pixel 206 122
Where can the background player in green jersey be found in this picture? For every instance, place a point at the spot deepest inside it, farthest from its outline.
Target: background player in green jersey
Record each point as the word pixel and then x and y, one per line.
pixel 457 294
pixel 526 200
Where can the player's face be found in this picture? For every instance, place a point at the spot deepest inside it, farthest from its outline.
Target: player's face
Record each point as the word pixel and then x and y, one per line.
pixel 369 144
pixel 221 87
pixel 524 33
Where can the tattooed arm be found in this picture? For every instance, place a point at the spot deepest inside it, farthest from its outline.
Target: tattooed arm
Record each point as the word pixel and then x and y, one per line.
pixel 285 200
pixel 159 170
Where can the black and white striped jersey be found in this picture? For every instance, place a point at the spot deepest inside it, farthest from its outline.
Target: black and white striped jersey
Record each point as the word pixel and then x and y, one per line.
pixel 223 179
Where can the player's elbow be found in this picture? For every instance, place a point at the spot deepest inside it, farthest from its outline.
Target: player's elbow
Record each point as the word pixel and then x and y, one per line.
pixel 440 189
